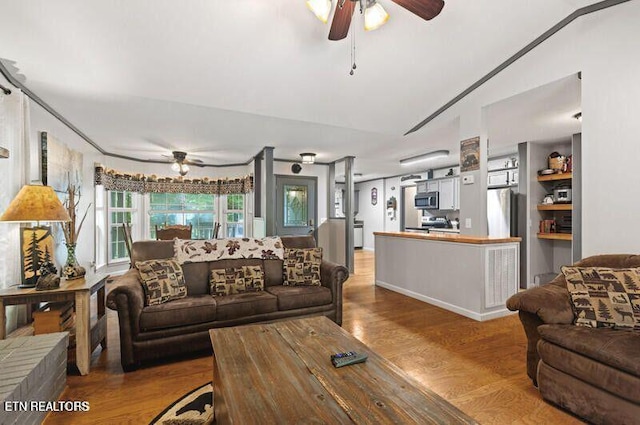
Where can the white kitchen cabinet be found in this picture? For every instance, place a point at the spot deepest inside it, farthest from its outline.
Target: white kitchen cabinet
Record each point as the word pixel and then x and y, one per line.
pixel 498 178
pixel 502 178
pixel 447 194
pixel 433 186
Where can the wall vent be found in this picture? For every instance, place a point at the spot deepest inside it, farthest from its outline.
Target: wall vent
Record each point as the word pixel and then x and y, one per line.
pixel 502 279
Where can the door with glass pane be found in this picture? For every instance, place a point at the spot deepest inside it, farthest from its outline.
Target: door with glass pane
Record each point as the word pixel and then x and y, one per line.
pixel 296 200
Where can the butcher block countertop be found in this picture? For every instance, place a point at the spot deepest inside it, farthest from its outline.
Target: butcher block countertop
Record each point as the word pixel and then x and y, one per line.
pixel 449 237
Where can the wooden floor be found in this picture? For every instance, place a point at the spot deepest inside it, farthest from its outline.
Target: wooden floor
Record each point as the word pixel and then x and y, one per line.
pixel 477 366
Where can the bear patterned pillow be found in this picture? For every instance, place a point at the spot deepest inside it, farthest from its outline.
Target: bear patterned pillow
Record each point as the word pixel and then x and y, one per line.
pixel 162 280
pixel 604 297
pixel 302 266
pixel 236 280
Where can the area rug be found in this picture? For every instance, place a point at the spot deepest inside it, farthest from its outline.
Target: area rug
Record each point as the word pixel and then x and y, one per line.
pixel 194 408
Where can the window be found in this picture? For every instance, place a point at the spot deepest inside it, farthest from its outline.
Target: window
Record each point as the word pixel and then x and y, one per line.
pixel 199 210
pixel 122 209
pixel 235 216
pixel 295 206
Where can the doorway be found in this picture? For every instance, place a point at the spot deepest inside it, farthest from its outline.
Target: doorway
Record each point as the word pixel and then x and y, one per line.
pixel 296 205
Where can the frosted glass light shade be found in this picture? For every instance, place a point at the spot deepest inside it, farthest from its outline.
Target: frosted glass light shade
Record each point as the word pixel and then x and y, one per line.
pixel 321 8
pixel 308 158
pixel 374 17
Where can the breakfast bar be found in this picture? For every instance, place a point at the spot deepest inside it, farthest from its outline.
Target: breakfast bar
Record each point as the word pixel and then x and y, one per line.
pixel 469 275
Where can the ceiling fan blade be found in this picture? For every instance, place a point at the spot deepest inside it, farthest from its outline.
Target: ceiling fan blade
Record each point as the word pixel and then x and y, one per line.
pixel 426 9
pixel 341 20
pixel 196 162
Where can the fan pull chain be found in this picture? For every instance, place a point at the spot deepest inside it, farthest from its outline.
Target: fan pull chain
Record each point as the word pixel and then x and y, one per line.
pixel 353 51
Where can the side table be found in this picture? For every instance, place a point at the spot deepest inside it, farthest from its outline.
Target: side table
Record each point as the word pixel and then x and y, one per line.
pixel 88 335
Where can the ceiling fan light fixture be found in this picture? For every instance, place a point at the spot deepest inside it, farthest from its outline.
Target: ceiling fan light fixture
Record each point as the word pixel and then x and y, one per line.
pixel 374 16
pixel 425 157
pixel 180 168
pixel 320 8
pixel 308 157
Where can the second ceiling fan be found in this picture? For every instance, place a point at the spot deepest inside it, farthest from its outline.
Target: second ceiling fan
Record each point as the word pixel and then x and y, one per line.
pixel 374 14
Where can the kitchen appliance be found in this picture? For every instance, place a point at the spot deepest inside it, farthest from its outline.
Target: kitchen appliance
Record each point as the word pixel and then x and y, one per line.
pixel 427 223
pixel 562 194
pixel 501 213
pixel 410 215
pixel 426 201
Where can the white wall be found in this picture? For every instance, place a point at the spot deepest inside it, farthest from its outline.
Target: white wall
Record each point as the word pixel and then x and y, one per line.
pixel 604 46
pixel 392 188
pixel 371 215
pixel 42 120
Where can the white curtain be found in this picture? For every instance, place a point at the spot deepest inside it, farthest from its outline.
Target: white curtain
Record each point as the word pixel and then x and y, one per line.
pixel 14 135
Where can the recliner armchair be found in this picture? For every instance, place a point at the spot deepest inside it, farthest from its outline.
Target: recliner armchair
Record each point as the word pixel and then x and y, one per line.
pixel 592 372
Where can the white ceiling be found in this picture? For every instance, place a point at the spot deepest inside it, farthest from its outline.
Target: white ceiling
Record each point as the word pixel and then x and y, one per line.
pixel 222 79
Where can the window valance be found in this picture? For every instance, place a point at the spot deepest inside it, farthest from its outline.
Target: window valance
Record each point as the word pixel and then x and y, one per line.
pixel 117 180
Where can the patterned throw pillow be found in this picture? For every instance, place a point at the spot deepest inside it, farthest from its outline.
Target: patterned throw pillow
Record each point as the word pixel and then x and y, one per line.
pixel 604 297
pixel 162 280
pixel 302 266
pixel 236 280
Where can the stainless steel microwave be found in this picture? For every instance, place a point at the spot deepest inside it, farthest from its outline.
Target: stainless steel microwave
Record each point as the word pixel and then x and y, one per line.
pixel 426 201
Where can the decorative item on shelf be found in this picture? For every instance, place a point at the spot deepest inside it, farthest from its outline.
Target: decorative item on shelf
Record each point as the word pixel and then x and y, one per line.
pixel 35 203
pixel 548 226
pixel 48 277
pixel 548 199
pixel 450 172
pixel 557 162
pixel 71 269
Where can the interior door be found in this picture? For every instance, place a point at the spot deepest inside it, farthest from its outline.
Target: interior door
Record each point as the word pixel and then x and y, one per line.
pixel 296 205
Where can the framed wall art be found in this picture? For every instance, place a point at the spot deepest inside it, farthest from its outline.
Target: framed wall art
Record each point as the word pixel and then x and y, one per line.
pixel 374 196
pixel 37 248
pixel 60 165
pixel 470 155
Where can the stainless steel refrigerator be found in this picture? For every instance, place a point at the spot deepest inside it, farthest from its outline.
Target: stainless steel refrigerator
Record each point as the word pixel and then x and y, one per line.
pixel 501 213
pixel 410 215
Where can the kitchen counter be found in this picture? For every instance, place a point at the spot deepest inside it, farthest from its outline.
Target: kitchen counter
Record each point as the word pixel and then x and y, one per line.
pixel 449 237
pixel 469 275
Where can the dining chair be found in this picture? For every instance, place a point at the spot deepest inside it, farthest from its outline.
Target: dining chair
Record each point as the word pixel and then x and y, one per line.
pixel 128 241
pixel 173 231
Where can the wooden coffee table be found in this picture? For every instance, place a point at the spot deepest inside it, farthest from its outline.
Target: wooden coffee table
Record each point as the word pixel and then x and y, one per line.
pixel 281 373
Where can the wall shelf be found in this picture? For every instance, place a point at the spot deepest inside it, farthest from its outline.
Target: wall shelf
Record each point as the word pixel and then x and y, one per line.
pixel 555 177
pixel 556 236
pixel 555 207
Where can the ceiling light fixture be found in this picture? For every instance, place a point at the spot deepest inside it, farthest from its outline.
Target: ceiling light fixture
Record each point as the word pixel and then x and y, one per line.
pixel 308 157
pixel 374 15
pixel 320 8
pixel 578 116
pixel 180 167
pixel 425 157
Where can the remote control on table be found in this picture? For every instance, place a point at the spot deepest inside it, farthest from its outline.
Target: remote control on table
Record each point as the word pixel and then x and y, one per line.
pixel 349 360
pixel 341 355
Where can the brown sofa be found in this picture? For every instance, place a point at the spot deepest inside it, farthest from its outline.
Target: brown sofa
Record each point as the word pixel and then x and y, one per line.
pixel 181 326
pixel 592 372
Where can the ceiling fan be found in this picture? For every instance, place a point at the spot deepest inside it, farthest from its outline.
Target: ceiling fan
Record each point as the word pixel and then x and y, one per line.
pixel 181 163
pixel 374 14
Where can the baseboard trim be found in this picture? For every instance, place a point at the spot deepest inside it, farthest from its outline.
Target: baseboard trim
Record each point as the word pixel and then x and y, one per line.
pixel 480 317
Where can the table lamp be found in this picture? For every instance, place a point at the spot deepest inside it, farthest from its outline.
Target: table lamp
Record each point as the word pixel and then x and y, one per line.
pixel 34 203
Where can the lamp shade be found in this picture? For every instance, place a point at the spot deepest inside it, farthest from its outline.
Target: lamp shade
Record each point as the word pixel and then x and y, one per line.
pixel 375 16
pixel 35 203
pixel 321 8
